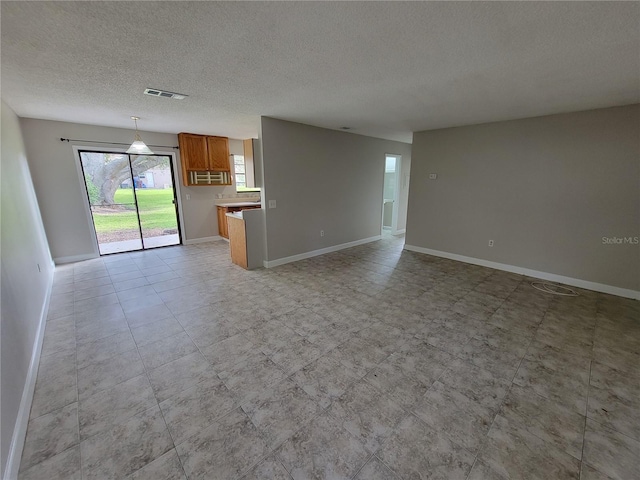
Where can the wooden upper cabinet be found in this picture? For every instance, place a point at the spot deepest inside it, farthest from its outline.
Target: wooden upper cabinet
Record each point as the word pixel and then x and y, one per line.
pixel 193 151
pixel 204 159
pixel 218 148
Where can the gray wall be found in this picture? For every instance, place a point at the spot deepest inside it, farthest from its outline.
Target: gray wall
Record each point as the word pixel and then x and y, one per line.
pixel 546 189
pixel 403 194
pixel 322 180
pixel 62 195
pixel 24 288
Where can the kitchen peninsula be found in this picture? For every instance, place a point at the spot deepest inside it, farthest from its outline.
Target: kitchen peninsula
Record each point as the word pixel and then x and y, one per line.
pixel 223 209
pixel 246 238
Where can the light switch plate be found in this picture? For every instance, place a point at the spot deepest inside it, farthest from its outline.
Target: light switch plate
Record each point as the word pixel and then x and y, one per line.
pixel 272 204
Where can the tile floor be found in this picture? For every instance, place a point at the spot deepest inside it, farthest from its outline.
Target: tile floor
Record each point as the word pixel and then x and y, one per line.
pixel 368 363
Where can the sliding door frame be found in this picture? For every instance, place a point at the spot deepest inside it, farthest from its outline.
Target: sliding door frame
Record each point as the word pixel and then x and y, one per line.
pixel 78 149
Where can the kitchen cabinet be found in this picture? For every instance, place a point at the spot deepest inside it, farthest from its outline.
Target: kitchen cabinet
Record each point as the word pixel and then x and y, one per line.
pixel 218 153
pixel 222 210
pixel 223 228
pixel 204 160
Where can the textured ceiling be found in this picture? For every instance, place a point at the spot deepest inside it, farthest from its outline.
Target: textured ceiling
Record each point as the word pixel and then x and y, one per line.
pixel 385 69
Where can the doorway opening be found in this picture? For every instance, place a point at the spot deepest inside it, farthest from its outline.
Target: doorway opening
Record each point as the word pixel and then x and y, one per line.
pixel 132 200
pixel 391 193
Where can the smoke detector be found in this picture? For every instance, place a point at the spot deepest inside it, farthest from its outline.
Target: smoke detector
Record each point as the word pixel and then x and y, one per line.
pixel 154 92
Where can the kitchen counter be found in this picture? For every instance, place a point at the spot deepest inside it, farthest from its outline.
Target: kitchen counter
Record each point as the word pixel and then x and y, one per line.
pixel 238 204
pixel 224 209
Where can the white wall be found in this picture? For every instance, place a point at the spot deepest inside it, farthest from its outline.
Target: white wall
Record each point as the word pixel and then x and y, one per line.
pixel 24 288
pixel 546 189
pixel 321 180
pixel 62 195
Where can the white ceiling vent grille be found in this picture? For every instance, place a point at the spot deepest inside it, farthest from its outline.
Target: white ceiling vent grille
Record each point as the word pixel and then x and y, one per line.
pixel 162 93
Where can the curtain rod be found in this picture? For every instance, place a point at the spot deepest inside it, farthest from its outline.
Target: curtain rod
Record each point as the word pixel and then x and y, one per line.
pixel 111 143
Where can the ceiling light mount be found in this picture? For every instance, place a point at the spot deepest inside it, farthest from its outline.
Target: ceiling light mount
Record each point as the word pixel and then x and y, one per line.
pixel 138 147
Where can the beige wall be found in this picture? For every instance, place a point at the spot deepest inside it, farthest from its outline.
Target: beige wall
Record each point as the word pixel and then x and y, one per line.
pixel 62 194
pixel 545 189
pixel 24 285
pixel 321 180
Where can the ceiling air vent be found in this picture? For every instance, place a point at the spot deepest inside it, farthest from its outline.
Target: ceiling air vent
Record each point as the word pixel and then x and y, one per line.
pixel 161 93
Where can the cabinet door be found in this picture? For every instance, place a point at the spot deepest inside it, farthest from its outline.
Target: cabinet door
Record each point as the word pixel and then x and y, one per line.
pixel 218 153
pixel 222 222
pixel 193 151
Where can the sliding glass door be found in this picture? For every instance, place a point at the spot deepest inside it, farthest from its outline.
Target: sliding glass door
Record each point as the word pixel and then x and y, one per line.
pixel 132 200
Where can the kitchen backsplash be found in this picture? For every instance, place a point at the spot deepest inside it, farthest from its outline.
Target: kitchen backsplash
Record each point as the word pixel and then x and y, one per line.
pixel 244 195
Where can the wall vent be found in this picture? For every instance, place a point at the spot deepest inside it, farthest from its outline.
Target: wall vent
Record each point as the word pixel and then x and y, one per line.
pixel 154 92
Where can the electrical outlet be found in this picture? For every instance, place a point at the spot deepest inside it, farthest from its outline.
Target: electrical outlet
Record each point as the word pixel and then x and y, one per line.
pixel 322 233
pixel 433 176
pixel 491 243
pixel 188 196
pixel 272 204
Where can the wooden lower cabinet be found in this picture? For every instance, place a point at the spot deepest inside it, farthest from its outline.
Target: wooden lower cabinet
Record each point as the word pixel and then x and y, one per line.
pixel 238 241
pixel 223 227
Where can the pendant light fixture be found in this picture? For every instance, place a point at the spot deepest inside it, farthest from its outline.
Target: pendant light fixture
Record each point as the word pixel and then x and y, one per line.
pixel 138 147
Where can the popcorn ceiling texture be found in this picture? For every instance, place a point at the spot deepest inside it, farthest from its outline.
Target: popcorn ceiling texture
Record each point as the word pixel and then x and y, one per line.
pixel 386 69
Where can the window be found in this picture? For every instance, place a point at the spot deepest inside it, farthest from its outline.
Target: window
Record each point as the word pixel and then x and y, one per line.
pixel 239 170
pixel 243 174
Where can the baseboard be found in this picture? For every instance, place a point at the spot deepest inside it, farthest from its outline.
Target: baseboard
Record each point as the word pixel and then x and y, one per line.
pixel 399 232
pixel 322 251
pixel 22 420
pixel 75 258
pixel 193 241
pixel 552 277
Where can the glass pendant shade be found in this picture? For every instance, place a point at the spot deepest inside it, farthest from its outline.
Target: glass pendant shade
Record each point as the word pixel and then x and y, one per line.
pixel 138 147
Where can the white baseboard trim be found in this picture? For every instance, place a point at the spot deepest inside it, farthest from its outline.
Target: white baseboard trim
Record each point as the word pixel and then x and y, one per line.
pixel 322 251
pixel 193 241
pixel 75 258
pixel 399 232
pixel 22 420
pixel 552 277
